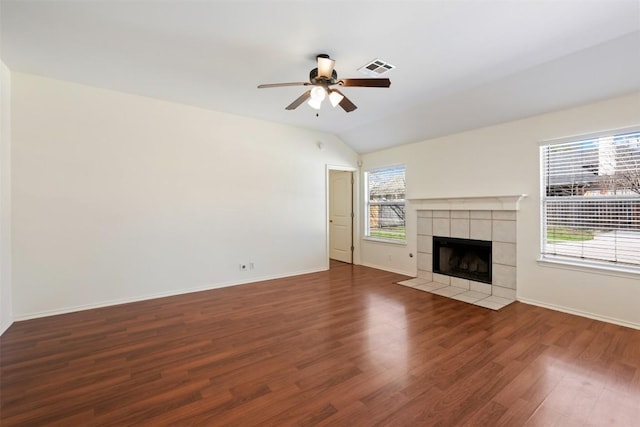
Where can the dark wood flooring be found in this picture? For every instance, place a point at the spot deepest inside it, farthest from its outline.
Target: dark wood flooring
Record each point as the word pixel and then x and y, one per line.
pixel 346 347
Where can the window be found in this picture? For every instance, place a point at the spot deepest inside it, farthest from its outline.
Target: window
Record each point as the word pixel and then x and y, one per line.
pixel 385 204
pixel 591 201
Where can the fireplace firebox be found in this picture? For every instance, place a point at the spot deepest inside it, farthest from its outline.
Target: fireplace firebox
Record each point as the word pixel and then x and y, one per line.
pixel 464 258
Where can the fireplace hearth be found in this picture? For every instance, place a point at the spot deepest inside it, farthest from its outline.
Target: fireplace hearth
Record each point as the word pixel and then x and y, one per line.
pixel 464 258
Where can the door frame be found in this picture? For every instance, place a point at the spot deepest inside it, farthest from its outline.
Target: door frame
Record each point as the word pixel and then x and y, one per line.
pixel 355 234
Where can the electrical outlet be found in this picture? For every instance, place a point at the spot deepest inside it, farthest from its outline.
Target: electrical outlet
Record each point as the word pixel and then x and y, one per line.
pixel 243 267
pixel 250 266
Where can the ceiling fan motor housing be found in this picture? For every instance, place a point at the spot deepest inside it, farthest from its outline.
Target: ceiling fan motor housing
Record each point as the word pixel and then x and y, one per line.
pixel 319 80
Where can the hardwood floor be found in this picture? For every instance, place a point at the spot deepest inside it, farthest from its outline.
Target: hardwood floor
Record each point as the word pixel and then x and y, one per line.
pixel 344 347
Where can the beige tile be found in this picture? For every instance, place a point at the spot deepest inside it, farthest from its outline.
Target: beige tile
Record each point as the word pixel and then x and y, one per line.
pixel 504 253
pixel 413 282
pixel 448 291
pixel 425 214
pixel 480 229
pixel 425 244
pixel 503 275
pixel 460 283
pixel 424 226
pixel 504 231
pixel 508 215
pixel 469 296
pixel 460 214
pixel 419 281
pixel 441 278
pixel 428 275
pixel 460 228
pixel 441 227
pixel 484 288
pixel 499 291
pixel 425 261
pixel 488 304
pixel 494 303
pixel 432 286
pixel 499 300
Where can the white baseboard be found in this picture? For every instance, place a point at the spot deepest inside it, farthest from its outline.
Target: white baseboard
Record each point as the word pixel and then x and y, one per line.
pixel 391 270
pixel 593 316
pixel 101 304
pixel 4 327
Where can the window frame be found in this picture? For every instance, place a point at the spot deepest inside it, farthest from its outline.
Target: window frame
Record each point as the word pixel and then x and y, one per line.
pixel 574 262
pixel 368 204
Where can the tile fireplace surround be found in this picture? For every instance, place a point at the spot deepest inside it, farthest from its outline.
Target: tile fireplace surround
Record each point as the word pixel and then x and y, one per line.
pixel 480 218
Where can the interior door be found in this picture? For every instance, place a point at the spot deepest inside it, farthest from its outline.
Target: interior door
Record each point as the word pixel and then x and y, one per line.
pixel 340 215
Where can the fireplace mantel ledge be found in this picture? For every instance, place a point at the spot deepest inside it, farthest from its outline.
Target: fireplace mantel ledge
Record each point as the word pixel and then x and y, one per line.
pixel 479 203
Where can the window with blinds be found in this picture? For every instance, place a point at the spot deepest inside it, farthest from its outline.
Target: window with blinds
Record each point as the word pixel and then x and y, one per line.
pixel 591 201
pixel 385 204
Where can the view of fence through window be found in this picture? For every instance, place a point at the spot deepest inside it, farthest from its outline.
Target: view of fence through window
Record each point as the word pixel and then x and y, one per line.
pixel 385 203
pixel 591 200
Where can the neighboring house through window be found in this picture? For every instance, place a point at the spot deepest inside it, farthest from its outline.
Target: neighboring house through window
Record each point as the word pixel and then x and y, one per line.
pixel 386 204
pixel 591 201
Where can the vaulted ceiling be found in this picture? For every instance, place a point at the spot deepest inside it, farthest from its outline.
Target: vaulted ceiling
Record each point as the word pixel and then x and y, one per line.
pixel 460 64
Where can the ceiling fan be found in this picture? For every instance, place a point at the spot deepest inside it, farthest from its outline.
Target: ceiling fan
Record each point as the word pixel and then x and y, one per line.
pixel 323 79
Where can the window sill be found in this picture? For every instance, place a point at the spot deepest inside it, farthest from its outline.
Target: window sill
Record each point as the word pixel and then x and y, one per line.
pixel 591 267
pixel 391 242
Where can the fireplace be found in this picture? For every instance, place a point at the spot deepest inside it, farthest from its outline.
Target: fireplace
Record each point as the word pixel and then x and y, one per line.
pixel 491 218
pixel 464 258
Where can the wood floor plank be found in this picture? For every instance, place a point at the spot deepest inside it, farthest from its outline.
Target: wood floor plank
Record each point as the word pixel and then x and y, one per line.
pixel 344 347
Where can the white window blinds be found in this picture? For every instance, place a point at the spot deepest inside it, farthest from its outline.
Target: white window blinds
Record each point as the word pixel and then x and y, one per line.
pixel 386 203
pixel 591 201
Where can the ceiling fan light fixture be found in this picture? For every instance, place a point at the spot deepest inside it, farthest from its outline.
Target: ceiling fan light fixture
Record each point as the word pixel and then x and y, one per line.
pixel 325 66
pixel 318 93
pixel 335 98
pixel 315 103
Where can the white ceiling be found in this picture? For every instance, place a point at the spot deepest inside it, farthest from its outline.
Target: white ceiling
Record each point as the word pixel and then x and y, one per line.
pixel 460 64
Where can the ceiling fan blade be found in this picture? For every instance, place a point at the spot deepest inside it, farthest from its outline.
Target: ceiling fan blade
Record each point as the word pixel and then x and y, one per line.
pixel 346 103
pixel 295 104
pixel 325 66
pixel 365 82
pixel 268 85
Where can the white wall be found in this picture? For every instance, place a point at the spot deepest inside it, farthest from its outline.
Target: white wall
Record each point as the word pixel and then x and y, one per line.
pixel 504 160
pixel 6 310
pixel 119 197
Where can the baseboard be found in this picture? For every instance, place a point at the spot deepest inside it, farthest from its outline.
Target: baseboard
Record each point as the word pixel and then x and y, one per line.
pixel 391 270
pixel 4 327
pixel 73 309
pixel 580 313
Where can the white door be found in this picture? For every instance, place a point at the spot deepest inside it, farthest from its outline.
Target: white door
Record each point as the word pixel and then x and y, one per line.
pixel 340 215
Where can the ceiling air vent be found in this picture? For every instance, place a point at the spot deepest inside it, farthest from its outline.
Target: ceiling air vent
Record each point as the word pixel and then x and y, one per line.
pixel 376 68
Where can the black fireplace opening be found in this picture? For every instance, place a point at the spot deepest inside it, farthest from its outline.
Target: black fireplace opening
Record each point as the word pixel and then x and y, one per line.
pixel 464 258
